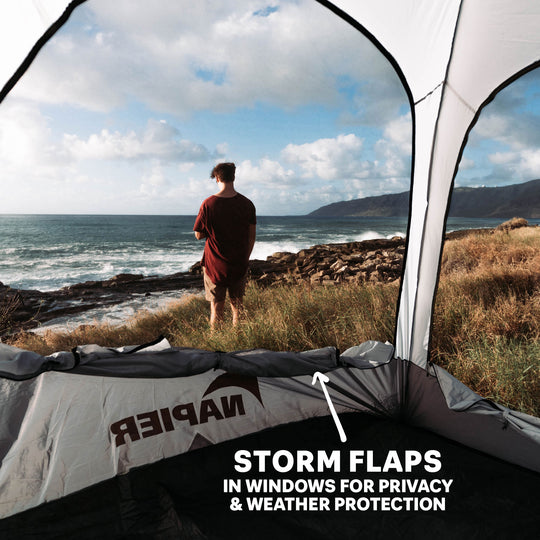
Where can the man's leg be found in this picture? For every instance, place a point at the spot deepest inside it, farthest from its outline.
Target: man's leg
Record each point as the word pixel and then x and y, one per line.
pixel 237 308
pixel 215 294
pixel 236 296
pixel 216 313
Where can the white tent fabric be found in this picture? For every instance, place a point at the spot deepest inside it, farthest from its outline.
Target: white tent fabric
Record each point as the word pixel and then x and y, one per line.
pixel 452 55
pixel 22 25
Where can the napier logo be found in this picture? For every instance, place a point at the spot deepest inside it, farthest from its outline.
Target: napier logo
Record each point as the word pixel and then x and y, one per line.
pixel 208 409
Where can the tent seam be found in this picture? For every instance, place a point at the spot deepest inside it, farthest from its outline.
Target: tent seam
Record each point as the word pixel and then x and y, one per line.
pixel 434 140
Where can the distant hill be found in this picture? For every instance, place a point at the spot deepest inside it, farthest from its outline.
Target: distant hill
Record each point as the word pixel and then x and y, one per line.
pixel 521 200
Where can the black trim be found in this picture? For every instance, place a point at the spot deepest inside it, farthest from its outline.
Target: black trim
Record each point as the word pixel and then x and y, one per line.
pixel 144 345
pixel 489 99
pixel 397 68
pixel 49 33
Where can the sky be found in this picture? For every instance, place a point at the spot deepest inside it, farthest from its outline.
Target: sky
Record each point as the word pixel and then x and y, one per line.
pixel 112 121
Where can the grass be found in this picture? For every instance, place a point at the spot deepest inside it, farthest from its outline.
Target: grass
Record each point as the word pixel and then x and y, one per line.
pixel 486 324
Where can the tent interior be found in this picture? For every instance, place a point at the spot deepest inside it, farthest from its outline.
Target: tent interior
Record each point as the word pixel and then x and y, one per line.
pixel 139 442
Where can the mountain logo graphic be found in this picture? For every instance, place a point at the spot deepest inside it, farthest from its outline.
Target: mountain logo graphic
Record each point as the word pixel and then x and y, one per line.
pixel 249 383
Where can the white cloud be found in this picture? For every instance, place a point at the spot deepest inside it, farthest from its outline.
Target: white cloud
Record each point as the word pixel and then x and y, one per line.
pixel 188 56
pixel 522 165
pixel 393 152
pixel 158 141
pixel 268 173
pixel 153 183
pixel 24 136
pixel 329 159
pixel 466 164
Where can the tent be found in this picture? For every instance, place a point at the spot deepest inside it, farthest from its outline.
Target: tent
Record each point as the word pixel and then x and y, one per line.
pixel 139 442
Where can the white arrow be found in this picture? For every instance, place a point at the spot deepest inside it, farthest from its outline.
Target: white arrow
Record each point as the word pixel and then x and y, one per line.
pixel 324 379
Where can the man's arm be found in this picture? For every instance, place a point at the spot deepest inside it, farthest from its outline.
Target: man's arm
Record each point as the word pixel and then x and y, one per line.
pixel 199 235
pixel 251 238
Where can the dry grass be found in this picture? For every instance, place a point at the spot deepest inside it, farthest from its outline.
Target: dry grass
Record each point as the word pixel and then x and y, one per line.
pixel 486 327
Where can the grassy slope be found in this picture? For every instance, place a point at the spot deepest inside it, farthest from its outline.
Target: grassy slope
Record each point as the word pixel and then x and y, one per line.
pixel 486 328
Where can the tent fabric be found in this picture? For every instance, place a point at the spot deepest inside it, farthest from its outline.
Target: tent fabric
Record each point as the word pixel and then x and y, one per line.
pixel 160 360
pixel 65 431
pixel 104 425
pixel 97 417
pixel 182 497
pixel 454 55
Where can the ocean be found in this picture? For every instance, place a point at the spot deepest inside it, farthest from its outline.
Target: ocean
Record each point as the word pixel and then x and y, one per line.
pixel 47 252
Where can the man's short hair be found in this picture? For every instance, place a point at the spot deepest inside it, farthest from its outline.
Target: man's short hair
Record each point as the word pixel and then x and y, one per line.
pixel 224 171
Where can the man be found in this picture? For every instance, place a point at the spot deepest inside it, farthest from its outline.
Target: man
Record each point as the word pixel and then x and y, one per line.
pixel 228 222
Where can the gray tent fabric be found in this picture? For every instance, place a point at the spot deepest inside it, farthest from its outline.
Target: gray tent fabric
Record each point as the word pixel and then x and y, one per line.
pixel 104 422
pixel 18 363
pixel 160 360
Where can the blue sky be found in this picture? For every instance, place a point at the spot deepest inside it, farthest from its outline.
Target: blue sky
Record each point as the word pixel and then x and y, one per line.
pixel 111 121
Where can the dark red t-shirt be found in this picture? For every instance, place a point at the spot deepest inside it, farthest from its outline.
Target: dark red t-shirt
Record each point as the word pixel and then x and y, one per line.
pixel 225 221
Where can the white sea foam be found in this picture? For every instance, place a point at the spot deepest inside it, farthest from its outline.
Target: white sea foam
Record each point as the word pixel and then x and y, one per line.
pixel 116 314
pixel 47 273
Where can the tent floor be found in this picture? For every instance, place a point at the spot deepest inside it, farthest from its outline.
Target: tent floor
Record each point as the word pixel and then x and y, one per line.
pixel 182 497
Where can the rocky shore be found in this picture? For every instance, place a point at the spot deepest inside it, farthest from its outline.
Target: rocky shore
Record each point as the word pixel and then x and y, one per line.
pixel 377 260
pixel 328 264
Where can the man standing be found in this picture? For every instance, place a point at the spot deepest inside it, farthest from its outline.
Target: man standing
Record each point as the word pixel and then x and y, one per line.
pixel 228 222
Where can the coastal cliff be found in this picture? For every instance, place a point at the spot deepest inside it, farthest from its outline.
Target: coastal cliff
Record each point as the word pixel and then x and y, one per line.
pixel 482 202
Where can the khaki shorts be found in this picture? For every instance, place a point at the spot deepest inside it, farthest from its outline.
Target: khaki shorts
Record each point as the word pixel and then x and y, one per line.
pixel 218 293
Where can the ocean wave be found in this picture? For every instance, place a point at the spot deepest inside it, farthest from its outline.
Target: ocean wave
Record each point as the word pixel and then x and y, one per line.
pixel 37 269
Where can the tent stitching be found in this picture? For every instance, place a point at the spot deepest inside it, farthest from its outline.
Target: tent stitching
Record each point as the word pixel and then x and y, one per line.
pixel 428 94
pixel 461 99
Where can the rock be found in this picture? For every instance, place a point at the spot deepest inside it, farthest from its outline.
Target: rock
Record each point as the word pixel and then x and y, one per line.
pixel 123 278
pixel 327 265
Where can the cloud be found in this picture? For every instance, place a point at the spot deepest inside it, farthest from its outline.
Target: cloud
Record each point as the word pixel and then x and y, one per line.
pixel 107 171
pixel 329 159
pixel 517 131
pixel 189 56
pixel 343 158
pixel 159 140
pixel 523 165
pixel 394 149
pixel 26 145
pixel 153 183
pixel 268 173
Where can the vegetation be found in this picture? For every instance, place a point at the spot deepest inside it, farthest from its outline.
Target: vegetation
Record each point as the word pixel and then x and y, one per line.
pixel 486 327
pixel 8 304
